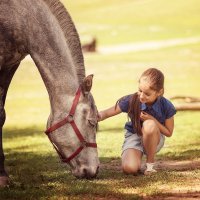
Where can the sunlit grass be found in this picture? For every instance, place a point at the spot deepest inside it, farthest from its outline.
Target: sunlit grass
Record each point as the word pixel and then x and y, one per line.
pixel 128 21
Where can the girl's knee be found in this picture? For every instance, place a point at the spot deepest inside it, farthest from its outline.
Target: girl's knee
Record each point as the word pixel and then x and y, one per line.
pixel 149 127
pixel 130 168
pixel 131 161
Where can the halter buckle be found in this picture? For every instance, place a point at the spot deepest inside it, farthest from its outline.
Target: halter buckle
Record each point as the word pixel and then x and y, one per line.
pixel 83 144
pixel 70 118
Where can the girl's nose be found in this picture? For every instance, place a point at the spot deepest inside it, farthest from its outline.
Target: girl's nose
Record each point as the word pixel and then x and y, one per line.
pixel 141 95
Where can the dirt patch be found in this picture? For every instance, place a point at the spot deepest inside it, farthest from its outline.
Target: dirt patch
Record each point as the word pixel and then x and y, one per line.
pixel 188 191
pixel 176 196
pixel 114 164
pixel 183 165
pixel 178 165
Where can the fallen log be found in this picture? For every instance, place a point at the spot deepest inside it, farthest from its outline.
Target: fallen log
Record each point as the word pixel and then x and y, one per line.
pixel 186 103
pixel 188 106
pixel 188 99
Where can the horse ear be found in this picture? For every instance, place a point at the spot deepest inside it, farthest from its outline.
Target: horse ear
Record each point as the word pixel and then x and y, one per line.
pixel 87 84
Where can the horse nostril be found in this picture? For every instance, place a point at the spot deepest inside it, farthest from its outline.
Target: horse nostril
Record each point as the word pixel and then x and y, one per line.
pixel 85 172
pixel 89 173
pixel 97 171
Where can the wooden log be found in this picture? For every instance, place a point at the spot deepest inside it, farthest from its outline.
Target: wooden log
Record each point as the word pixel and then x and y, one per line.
pixel 189 103
pixel 188 99
pixel 188 106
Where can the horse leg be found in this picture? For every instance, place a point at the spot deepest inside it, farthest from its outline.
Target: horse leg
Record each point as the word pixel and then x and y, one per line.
pixel 5 79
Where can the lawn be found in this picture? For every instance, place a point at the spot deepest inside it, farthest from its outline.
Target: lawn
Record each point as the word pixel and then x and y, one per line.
pixel 115 21
pixel 33 165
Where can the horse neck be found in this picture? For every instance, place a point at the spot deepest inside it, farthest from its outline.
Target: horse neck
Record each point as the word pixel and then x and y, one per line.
pixel 53 58
pixel 71 35
pixel 60 79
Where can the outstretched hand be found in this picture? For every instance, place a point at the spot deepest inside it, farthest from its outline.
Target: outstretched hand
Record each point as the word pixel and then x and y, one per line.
pixel 99 116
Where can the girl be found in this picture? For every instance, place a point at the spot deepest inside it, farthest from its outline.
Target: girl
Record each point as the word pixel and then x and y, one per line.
pixel 151 119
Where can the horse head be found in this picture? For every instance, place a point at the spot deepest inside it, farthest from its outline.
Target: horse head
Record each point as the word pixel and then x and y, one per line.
pixel 74 137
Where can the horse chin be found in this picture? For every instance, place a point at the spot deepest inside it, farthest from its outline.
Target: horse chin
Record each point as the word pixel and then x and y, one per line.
pixel 86 172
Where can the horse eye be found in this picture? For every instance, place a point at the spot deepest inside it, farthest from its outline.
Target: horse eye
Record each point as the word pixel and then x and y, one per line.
pixel 92 122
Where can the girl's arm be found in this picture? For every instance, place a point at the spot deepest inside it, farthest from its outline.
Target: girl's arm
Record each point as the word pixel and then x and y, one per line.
pixel 166 129
pixel 104 114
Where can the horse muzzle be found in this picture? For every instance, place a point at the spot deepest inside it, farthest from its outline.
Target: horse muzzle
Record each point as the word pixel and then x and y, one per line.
pixel 86 172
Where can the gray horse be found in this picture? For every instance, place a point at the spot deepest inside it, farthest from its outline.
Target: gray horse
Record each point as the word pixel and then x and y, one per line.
pixel 44 29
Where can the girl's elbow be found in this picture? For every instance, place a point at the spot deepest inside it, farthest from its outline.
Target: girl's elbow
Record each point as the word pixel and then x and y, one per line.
pixel 169 134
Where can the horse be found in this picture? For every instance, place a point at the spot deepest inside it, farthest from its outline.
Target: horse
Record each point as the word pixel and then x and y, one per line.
pixel 44 30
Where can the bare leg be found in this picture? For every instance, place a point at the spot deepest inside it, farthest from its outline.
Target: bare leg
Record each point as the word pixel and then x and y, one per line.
pixel 5 78
pixel 131 161
pixel 151 138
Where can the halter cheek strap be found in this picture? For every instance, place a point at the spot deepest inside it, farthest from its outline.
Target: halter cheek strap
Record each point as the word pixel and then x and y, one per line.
pixel 70 119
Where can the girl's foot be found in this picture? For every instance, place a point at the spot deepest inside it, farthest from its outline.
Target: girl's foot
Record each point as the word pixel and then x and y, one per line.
pixel 150 169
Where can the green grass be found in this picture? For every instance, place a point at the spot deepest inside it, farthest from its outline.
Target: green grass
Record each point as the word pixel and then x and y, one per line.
pixel 32 163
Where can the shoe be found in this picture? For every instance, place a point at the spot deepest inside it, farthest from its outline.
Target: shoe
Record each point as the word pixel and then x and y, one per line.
pixel 150 169
pixel 149 172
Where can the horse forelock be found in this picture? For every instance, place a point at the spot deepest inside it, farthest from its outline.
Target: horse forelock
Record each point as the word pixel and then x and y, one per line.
pixel 71 35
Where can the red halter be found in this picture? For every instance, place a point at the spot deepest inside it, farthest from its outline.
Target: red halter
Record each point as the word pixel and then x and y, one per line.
pixel 70 119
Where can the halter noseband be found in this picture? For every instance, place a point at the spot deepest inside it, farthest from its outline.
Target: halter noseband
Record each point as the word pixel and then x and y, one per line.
pixel 70 119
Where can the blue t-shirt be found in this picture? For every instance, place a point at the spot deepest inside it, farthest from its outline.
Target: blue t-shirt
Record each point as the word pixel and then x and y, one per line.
pixel 162 109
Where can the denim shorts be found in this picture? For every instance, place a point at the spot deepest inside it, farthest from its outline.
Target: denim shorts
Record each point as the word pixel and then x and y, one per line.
pixel 133 141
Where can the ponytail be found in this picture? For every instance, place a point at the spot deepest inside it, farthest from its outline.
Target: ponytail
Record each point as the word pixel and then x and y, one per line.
pixel 134 113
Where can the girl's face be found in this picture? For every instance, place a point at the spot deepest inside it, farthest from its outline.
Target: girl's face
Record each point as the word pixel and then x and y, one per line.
pixel 146 94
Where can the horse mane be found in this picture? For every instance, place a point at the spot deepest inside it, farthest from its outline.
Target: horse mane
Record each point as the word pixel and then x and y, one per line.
pixel 71 35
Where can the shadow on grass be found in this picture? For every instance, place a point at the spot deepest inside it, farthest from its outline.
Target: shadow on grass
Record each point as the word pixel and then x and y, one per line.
pixel 39 175
pixel 35 176
pixel 14 132
pixel 184 155
pixel 192 152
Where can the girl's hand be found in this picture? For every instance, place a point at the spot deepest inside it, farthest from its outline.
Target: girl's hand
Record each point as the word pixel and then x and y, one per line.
pixel 99 116
pixel 144 116
pixel 104 114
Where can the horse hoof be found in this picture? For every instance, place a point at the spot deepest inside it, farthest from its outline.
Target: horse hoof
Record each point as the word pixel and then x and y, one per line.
pixel 4 181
